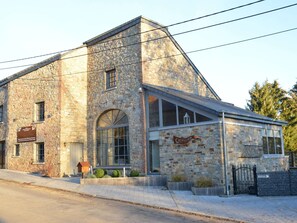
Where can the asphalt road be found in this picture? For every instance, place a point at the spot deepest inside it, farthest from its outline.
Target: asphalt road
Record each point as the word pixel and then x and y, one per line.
pixel 25 203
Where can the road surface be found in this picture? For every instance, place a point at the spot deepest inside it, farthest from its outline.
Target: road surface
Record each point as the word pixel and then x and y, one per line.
pixel 25 203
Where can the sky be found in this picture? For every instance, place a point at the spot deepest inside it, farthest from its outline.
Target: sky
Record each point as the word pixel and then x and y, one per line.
pixel 34 27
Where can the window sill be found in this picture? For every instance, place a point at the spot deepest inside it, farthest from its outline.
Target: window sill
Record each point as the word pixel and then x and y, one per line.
pixel 38 122
pixel 267 156
pixel 38 163
pixel 109 89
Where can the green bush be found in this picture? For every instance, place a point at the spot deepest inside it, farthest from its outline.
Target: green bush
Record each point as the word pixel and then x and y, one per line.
pixel 99 173
pixel 91 176
pixel 107 176
pixel 203 182
pixel 179 178
pixel 134 173
pixel 116 173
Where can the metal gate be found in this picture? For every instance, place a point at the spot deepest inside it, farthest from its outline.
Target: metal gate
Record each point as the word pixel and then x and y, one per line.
pixel 244 179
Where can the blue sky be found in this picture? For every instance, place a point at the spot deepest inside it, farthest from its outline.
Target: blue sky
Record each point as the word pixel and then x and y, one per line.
pixel 35 27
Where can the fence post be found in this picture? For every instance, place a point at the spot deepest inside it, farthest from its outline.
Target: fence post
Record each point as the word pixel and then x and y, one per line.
pixel 255 179
pixel 234 179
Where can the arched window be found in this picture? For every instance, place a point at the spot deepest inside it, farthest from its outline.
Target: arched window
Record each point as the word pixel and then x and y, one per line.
pixel 113 138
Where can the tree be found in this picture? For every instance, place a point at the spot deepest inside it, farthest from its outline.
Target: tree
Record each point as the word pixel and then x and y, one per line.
pixel 267 99
pixel 289 114
pixel 274 102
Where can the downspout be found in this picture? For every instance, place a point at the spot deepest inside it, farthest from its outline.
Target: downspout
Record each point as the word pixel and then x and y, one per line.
pixel 225 155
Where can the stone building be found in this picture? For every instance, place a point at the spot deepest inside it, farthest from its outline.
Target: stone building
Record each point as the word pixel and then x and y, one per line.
pixel 130 97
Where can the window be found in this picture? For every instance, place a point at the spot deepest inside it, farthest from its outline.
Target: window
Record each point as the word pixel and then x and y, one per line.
pixel 153 111
pixel 169 113
pixel 1 113
pixel 163 113
pixel 185 116
pixel 113 139
pixel 39 152
pixel 201 118
pixel 271 141
pixel 111 79
pixel 17 150
pixel 39 108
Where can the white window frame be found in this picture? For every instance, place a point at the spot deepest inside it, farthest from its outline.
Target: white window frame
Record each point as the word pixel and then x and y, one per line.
pixel 264 134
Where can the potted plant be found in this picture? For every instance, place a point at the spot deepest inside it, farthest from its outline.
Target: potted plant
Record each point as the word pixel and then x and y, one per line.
pixel 179 182
pixel 205 186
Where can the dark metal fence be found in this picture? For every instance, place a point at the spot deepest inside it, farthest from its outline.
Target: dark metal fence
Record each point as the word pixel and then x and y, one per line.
pixel 244 179
pixel 292 159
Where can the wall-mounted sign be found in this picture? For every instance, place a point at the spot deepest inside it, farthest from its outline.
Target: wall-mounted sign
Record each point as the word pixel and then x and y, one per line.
pixel 26 134
pixel 184 141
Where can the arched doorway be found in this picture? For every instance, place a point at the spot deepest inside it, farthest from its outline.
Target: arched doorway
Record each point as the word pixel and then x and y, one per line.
pixel 113 139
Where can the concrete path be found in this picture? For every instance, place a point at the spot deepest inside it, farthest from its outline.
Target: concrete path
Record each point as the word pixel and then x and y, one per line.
pixel 243 208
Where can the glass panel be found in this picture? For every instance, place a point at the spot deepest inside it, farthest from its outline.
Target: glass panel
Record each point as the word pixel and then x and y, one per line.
pixel 277 134
pixel 153 111
pixel 271 145
pixel 269 133
pixel 154 157
pixel 201 118
pixel 169 113
pixel 265 149
pixel 278 143
pixel 185 116
pixel 113 147
pixel 40 111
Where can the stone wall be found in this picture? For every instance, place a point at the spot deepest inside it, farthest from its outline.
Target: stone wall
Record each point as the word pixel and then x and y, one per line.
pixel 39 85
pixel 161 68
pixel 3 102
pixel 245 146
pixel 126 96
pixel 200 158
pixel 73 94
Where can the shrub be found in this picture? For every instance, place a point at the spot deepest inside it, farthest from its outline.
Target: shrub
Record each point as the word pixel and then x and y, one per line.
pixel 91 176
pixel 116 173
pixel 99 173
pixel 179 178
pixel 134 173
pixel 107 176
pixel 204 182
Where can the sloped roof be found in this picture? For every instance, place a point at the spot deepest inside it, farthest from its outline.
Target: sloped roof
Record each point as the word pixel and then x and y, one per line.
pixel 212 105
pixel 30 69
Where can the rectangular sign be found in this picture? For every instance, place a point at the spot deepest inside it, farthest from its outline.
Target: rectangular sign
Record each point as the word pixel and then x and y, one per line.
pixel 26 134
pixel 263 176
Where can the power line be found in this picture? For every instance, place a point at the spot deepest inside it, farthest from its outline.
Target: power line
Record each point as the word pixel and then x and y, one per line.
pixel 161 27
pixel 170 56
pixel 176 34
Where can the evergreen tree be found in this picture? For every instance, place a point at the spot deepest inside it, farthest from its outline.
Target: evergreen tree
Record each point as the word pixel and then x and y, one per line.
pixel 274 102
pixel 267 99
pixel 289 114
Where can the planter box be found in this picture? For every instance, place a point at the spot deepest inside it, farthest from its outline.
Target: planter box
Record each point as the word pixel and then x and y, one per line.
pixel 179 185
pixel 134 181
pixel 208 190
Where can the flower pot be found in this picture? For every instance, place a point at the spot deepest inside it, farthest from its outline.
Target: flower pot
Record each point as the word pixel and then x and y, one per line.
pixel 219 190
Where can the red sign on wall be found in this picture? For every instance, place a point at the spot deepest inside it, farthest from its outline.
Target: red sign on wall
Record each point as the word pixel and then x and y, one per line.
pixel 26 134
pixel 184 141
